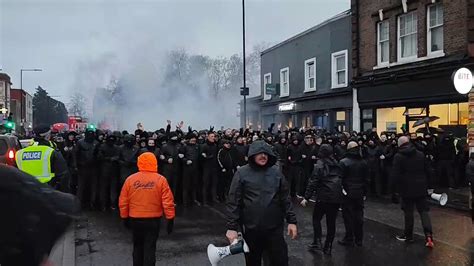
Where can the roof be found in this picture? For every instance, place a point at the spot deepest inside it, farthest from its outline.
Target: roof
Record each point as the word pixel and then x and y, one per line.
pixel 326 22
pixel 4 76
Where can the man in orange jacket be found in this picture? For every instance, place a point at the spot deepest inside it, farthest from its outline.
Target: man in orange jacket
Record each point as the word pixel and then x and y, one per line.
pixel 145 196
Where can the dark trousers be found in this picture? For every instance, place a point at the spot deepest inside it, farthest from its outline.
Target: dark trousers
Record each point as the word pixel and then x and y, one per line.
pixel 190 183
pixel 408 207
pixel 170 172
pixel 353 214
pixel 87 185
pixel 108 191
pixel 145 235
pixel 224 184
pixel 330 210
pixel 271 243
pixel 374 178
pixel 209 179
pixel 445 171
pixel 294 179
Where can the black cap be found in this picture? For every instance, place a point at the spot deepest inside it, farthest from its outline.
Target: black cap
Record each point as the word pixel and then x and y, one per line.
pixel 41 130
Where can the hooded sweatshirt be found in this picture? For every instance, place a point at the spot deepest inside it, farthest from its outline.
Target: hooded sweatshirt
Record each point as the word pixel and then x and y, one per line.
pixel 146 194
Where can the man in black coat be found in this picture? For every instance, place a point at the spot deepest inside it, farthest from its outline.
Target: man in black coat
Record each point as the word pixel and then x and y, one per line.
pixel 169 157
pixel 295 164
pixel 259 202
pixel 227 165
pixel 355 182
pixel 241 150
pixel 410 177
pixel 308 155
pixel 128 155
pixel 88 177
pixel 108 156
pixel 190 170
pixel 210 168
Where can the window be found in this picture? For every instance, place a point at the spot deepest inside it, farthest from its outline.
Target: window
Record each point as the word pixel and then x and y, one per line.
pixel 339 69
pixel 383 43
pixel 310 75
pixel 435 29
pixel 267 79
pixel 341 116
pixel 407 36
pixel 285 82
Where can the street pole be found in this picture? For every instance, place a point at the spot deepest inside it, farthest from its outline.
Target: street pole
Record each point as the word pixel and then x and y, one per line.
pixel 245 74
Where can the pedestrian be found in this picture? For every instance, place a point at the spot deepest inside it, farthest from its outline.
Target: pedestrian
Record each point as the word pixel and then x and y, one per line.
pixel 128 154
pixel 169 157
pixel 445 164
pixel 308 156
pixel 145 198
pixel 355 183
pixel 108 157
pixel 210 169
pixel 241 150
pixel 42 161
pixel 227 165
pixel 190 170
pixel 327 185
pixel 373 153
pixel 295 164
pixel 410 177
pixel 69 154
pixel 258 202
pixel 87 174
pixel 281 149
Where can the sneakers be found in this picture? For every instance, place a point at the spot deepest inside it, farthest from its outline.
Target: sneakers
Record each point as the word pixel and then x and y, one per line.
pixel 429 242
pixel 405 239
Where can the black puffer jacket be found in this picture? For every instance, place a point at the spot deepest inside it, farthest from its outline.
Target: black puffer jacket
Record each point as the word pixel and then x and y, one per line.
pixel 191 153
pixel 294 153
pixel 408 172
pixel 86 152
pixel 259 196
pixel 325 181
pixel 355 174
pixel 282 153
pixel 210 160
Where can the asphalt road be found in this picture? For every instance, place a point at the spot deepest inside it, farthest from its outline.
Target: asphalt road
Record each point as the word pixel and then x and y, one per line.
pixel 102 240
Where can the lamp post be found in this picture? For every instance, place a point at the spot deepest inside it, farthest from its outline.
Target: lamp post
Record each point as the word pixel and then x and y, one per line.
pixel 244 91
pixel 27 69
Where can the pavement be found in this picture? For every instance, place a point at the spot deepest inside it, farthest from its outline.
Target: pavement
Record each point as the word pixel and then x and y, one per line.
pixel 64 252
pixel 101 239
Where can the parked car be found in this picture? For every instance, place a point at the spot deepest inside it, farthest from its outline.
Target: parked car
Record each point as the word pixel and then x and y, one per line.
pixel 9 145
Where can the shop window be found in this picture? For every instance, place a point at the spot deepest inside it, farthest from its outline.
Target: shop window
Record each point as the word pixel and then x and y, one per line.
pixel 407 36
pixel 383 43
pixel 435 38
pixel 367 114
pixel 390 119
pixel 341 116
pixel 267 79
pixel 450 114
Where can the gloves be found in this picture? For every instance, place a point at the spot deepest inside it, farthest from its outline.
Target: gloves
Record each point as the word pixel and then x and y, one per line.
pixel 204 155
pixel 181 156
pixel 188 162
pixel 303 156
pixel 313 157
pixel 430 191
pixel 162 157
pixel 170 160
pixel 126 223
pixel 223 170
pixel 304 202
pixel 169 226
pixel 382 157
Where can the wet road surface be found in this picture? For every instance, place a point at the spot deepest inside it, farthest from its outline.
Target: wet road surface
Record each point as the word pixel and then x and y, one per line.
pixel 102 240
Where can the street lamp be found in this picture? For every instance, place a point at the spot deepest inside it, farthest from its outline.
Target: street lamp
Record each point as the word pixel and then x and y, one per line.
pixel 244 91
pixel 27 69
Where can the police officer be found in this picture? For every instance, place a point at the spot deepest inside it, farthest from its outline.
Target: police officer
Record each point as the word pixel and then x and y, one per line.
pixel 42 161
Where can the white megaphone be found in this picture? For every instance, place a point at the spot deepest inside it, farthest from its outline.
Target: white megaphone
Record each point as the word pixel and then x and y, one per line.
pixel 441 198
pixel 216 254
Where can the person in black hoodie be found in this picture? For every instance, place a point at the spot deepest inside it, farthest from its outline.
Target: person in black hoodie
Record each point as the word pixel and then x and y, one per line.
pixel 88 174
pixel 373 153
pixel 445 164
pixel 210 169
pixel 281 149
pixel 307 150
pixel 227 165
pixel 410 177
pixel 190 170
pixel 327 185
pixel 108 156
pixel 241 150
pixel 128 155
pixel 355 182
pixel 169 157
pixel 295 164
pixel 259 202
pixel 69 155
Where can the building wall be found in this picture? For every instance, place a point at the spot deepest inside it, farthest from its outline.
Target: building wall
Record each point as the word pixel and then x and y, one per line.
pixel 5 84
pixel 365 18
pixel 319 43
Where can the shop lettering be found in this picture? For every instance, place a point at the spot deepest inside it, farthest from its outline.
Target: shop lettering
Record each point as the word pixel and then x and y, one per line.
pixel 31 155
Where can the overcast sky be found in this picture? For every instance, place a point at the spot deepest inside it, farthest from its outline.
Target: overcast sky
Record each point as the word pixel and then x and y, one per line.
pixel 59 36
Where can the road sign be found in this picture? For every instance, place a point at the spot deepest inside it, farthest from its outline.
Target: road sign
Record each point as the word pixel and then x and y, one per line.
pixel 244 91
pixel 272 89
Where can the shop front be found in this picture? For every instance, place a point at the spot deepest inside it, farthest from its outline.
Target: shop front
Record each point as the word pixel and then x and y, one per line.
pixel 399 104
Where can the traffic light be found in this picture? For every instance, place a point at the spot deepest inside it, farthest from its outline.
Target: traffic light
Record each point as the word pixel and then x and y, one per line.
pixel 91 127
pixel 9 125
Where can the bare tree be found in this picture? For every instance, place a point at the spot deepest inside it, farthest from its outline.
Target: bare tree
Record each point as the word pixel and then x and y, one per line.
pixel 77 105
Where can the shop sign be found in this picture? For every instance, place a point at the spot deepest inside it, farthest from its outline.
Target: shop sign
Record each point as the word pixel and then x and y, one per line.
pixel 282 107
pixel 463 80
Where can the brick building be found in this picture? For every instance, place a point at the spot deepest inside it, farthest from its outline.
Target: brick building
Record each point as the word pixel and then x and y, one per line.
pixel 21 103
pixel 404 54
